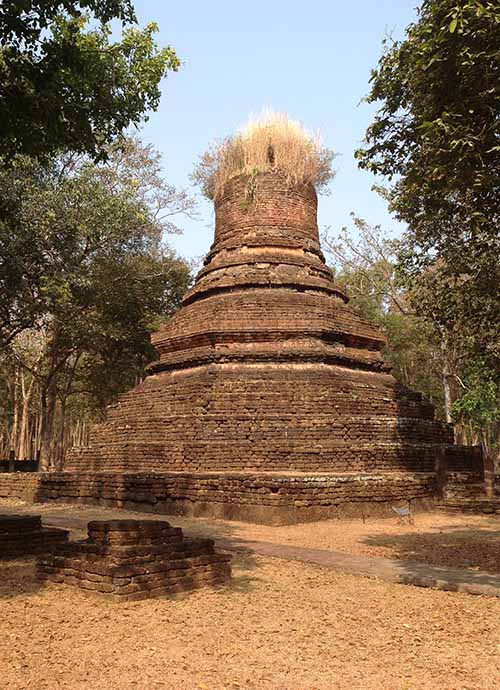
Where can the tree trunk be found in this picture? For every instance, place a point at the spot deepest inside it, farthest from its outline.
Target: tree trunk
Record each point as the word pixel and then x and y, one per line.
pixel 23 446
pixel 59 450
pixel 37 433
pixel 49 399
pixel 446 376
pixel 489 447
pixel 15 421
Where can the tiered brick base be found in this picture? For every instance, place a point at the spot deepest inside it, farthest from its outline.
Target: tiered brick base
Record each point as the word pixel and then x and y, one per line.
pixel 265 497
pixel 136 559
pixel 465 493
pixel 23 535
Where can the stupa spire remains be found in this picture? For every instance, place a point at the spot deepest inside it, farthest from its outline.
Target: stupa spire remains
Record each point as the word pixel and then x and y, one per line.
pixel 265 278
pixel 265 292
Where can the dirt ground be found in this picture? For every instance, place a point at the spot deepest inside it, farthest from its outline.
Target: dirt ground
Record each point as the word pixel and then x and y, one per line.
pixel 280 625
pixel 437 538
pixel 456 541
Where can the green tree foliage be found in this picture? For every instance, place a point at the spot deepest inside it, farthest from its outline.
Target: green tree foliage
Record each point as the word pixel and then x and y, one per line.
pixel 365 265
pixel 436 139
pixel 478 407
pixel 48 207
pixel 480 400
pixel 104 278
pixel 423 354
pixel 65 85
pixel 21 255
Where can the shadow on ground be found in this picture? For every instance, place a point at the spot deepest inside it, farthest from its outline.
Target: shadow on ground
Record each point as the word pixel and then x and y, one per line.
pixel 17 578
pixel 448 579
pixel 448 546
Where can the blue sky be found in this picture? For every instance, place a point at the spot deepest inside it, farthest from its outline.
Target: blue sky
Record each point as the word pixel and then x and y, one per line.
pixel 309 59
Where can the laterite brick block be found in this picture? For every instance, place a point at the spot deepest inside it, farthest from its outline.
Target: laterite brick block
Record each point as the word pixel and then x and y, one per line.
pixel 136 559
pixel 23 535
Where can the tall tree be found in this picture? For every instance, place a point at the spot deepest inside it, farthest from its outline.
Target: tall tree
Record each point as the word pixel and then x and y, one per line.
pixel 436 140
pixel 106 276
pixel 65 85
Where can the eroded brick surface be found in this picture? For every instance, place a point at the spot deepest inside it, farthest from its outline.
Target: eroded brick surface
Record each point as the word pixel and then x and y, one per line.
pixel 266 366
pixel 136 559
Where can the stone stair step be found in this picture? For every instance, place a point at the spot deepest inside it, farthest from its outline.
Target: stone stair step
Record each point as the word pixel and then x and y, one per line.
pixel 480 505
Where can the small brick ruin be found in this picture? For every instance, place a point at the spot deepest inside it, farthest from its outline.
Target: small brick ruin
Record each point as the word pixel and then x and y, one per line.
pixel 23 535
pixel 267 369
pixel 136 559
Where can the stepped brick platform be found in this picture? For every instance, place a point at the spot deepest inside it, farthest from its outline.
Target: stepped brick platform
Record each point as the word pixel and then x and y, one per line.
pixel 465 493
pixel 23 535
pixel 267 369
pixel 136 559
pixel 265 497
pixel 476 506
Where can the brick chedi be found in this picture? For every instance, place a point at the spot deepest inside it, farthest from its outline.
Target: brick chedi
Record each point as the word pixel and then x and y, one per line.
pixel 266 366
pixel 267 369
pixel 136 559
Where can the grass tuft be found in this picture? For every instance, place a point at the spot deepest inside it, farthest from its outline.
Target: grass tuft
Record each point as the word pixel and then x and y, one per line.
pixel 271 142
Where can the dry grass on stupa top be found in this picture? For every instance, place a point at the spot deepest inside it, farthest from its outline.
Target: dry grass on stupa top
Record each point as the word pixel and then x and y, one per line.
pixel 271 142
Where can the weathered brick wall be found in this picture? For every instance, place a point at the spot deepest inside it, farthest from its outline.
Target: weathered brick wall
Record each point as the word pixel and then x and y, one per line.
pixel 260 497
pixel 23 535
pixel 313 418
pixel 22 486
